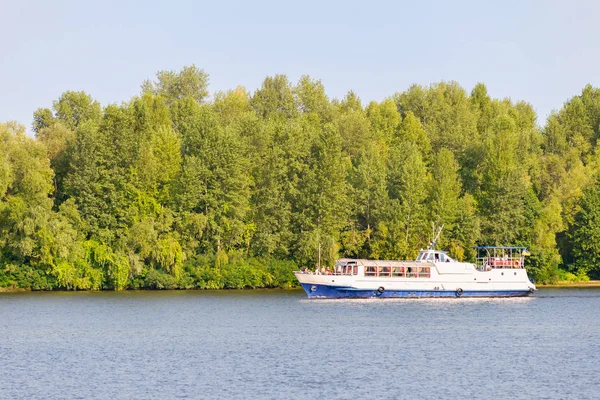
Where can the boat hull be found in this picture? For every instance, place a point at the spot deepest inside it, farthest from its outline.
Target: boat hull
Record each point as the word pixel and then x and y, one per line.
pixel 320 291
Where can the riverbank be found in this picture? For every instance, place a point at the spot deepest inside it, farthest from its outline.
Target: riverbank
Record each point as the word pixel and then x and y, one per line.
pixel 588 284
pixel 570 284
pixel 20 290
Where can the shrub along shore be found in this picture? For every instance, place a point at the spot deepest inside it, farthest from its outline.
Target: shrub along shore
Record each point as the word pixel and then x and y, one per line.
pixel 178 188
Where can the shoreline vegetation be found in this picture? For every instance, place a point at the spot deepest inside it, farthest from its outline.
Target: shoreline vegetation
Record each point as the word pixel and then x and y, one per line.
pixel 180 188
pixel 558 285
pixel 570 284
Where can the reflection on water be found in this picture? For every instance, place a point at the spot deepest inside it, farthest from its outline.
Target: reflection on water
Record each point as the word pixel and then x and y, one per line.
pixel 278 344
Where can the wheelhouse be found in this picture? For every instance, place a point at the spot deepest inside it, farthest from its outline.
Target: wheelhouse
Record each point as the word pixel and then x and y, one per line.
pixel 434 256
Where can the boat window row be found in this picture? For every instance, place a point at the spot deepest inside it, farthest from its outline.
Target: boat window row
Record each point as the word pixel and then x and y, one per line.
pixel 398 272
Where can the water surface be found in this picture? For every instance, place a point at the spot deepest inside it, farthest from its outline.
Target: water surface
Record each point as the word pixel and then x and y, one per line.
pixel 280 345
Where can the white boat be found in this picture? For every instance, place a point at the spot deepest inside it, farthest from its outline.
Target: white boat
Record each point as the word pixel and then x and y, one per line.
pixel 497 272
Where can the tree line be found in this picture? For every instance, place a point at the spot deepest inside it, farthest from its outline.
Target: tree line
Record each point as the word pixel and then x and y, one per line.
pixel 177 188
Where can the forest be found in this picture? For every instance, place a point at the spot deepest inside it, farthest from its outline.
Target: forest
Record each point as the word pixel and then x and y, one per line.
pixel 180 188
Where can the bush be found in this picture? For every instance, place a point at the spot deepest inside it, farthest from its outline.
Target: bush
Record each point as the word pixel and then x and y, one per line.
pixel 240 272
pixel 159 280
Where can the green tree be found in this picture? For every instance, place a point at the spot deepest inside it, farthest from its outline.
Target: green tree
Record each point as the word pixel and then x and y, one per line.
pixel 190 82
pixel 231 105
pixel 412 131
pixel 214 177
pixel 76 108
pixel 503 189
pixel 321 206
pixel 586 233
pixel 444 189
pixel 368 179
pixel 42 118
pixel 311 98
pixel 446 114
pixel 275 98
pixel 274 178
pixel 482 103
pixel 407 188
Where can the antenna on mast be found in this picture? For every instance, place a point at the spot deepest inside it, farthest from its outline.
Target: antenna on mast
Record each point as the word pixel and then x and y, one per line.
pixel 319 261
pixel 436 236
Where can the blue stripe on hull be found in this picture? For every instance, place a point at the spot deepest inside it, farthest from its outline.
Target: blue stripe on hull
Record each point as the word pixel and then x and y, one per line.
pixel 336 292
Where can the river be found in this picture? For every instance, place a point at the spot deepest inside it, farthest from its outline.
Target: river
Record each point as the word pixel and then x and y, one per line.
pixel 275 344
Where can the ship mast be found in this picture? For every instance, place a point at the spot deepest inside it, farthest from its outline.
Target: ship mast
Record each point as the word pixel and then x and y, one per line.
pixel 435 237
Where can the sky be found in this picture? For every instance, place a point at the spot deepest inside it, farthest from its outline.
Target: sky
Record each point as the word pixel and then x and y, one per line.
pixel 542 52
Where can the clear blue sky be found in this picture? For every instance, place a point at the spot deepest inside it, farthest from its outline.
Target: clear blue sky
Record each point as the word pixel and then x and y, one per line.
pixel 542 52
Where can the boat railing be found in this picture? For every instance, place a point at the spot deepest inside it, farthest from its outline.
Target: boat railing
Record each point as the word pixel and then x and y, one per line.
pixel 488 263
pixel 500 257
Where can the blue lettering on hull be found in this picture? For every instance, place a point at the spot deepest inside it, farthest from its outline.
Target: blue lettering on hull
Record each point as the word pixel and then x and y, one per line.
pixel 337 292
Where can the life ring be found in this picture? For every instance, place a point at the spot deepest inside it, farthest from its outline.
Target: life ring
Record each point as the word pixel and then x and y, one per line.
pixel 313 288
pixel 531 290
pixel 380 290
pixel 459 292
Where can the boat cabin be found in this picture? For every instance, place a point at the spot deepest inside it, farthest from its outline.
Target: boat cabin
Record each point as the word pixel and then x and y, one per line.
pixel 379 268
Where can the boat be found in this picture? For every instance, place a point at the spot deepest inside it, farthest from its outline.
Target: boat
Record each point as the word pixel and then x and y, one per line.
pixel 499 271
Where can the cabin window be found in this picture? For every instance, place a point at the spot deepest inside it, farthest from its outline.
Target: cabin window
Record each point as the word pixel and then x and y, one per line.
pixel 442 257
pixel 424 272
pixel 430 257
pixel 383 272
pixel 370 271
pixel 397 271
pixel 352 267
pixel 419 256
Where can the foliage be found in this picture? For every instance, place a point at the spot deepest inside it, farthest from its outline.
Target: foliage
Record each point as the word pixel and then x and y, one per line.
pixel 175 189
pixel 585 234
pixel 190 82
